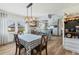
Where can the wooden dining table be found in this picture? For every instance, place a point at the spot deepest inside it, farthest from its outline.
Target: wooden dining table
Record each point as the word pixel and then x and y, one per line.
pixel 29 41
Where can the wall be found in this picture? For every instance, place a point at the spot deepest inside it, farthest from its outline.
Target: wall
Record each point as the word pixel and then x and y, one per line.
pixel 5 21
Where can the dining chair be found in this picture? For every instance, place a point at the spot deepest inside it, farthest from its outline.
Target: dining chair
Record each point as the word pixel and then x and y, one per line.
pixel 18 45
pixel 42 46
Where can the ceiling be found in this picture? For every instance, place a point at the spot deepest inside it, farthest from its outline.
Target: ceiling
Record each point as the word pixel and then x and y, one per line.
pixel 39 9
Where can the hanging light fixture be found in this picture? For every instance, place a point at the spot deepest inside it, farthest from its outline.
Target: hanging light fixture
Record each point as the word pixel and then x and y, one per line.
pixel 28 6
pixel 31 12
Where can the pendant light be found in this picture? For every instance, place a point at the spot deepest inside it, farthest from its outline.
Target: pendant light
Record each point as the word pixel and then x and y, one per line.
pixel 28 6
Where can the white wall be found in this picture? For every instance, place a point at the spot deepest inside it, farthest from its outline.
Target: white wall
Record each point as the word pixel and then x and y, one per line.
pixel 5 36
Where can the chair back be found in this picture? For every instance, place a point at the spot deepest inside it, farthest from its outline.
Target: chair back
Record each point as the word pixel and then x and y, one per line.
pixel 16 39
pixel 44 40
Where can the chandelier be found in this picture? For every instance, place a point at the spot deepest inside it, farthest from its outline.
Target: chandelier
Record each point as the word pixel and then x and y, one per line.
pixel 29 18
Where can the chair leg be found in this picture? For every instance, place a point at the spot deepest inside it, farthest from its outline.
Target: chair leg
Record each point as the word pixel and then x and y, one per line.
pixel 46 52
pixel 40 52
pixel 32 52
pixel 16 51
pixel 19 50
pixel 25 50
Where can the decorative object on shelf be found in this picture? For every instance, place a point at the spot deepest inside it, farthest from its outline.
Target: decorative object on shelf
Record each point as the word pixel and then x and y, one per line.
pixel 71 24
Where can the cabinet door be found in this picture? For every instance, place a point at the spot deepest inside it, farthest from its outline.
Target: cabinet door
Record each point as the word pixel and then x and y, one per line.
pixel 71 44
pixel 54 31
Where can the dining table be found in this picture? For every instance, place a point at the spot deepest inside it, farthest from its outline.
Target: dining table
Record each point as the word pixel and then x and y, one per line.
pixel 29 41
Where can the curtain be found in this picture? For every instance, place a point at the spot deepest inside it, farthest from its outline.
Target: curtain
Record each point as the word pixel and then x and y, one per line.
pixel 3 30
pixel 5 18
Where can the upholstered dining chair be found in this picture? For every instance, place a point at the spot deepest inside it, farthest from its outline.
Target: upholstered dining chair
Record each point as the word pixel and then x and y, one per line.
pixel 18 45
pixel 42 46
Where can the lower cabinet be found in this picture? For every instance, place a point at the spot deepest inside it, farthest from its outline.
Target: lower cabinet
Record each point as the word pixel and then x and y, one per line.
pixel 71 44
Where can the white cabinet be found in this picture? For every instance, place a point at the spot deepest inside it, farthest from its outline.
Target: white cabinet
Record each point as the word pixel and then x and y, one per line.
pixel 71 44
pixel 54 31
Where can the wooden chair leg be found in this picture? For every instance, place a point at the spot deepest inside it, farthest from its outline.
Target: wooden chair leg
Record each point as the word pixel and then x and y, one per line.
pixel 46 52
pixel 25 50
pixel 19 50
pixel 40 53
pixel 16 51
pixel 33 53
